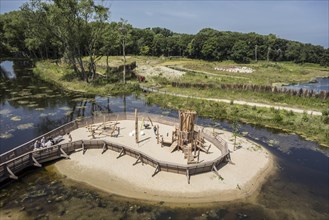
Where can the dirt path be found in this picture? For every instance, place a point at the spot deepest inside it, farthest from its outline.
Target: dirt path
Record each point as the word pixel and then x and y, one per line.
pixel 234 101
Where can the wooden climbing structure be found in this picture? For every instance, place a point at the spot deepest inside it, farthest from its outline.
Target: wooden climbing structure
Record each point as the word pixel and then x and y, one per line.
pixel 186 139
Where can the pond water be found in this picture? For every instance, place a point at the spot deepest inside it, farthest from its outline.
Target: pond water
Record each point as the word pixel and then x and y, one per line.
pixel 31 107
pixel 320 84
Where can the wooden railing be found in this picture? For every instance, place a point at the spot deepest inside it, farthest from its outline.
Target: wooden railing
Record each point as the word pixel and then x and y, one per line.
pixel 25 156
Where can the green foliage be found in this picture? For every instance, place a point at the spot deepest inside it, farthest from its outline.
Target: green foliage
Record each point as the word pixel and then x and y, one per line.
pixel 64 28
pixel 240 52
pixel 314 129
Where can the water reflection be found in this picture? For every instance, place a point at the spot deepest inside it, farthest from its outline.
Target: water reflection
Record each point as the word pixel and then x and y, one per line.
pixel 7 70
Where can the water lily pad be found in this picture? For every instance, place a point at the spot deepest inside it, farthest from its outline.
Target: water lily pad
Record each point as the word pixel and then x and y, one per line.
pixel 23 102
pixel 68 113
pixel 244 133
pixel 15 118
pixel 4 112
pixel 65 108
pixel 32 105
pixel 6 135
pixel 14 99
pixel 165 113
pixel 25 126
pixel 80 99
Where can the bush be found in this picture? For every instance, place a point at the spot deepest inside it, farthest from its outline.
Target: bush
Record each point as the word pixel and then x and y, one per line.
pixel 277 117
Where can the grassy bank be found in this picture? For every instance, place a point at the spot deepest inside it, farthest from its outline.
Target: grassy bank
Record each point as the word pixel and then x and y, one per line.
pixel 265 73
pixel 250 96
pixel 63 77
pixel 310 127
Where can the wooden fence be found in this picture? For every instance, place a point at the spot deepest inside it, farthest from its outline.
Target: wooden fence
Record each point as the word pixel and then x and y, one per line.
pixel 25 156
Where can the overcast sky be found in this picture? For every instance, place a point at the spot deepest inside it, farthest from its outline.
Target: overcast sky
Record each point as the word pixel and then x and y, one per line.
pixel 301 20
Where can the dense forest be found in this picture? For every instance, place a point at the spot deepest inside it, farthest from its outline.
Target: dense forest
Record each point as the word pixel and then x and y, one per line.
pixel 72 29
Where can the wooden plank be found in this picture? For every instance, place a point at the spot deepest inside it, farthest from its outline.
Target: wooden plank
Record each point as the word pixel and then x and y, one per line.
pixel 157 170
pixel 105 148
pixel 63 153
pixel 122 152
pixel 36 163
pixel 188 175
pixel 173 146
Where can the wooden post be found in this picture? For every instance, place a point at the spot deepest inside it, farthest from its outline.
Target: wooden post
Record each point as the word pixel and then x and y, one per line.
pixel 158 139
pixel 11 173
pixel 136 126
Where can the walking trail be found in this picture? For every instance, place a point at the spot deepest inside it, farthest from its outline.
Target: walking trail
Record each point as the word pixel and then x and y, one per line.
pixel 296 110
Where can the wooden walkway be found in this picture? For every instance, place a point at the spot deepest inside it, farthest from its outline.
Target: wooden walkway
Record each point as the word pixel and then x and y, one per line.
pixel 24 156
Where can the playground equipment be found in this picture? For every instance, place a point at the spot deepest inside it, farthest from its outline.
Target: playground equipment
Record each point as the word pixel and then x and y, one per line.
pixel 186 139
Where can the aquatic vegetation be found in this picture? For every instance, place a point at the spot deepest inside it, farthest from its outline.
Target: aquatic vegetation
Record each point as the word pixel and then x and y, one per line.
pixel 15 118
pixel 25 126
pixel 39 109
pixel 23 102
pixel 43 115
pixel 39 95
pixel 79 99
pixel 5 112
pixel 6 135
pixel 68 113
pixel 14 99
pixel 32 105
pixel 65 108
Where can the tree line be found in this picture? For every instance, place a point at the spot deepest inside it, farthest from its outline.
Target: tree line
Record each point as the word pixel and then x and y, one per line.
pixel 72 29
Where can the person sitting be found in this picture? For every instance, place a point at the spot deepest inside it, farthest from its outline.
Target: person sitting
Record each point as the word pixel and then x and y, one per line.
pixel 43 142
pixel 37 145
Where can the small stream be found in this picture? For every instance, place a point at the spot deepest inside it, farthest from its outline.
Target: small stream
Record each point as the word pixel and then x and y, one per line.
pixel 30 107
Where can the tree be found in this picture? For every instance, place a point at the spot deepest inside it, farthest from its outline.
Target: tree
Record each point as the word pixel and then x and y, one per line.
pixel 325 58
pixel 69 23
pixel 109 43
pixel 240 52
pixel 124 35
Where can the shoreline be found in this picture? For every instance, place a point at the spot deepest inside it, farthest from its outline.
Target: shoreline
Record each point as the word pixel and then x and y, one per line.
pixel 123 179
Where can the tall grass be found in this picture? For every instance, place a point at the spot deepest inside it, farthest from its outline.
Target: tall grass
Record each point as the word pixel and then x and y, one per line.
pixel 308 126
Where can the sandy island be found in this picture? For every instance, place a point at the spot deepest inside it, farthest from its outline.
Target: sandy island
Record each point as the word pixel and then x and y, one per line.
pixel 252 164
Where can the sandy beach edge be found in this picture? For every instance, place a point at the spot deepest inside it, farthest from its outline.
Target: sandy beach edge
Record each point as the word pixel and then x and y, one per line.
pixel 120 187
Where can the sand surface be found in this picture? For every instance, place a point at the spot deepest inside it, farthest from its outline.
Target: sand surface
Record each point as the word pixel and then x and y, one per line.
pixel 252 164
